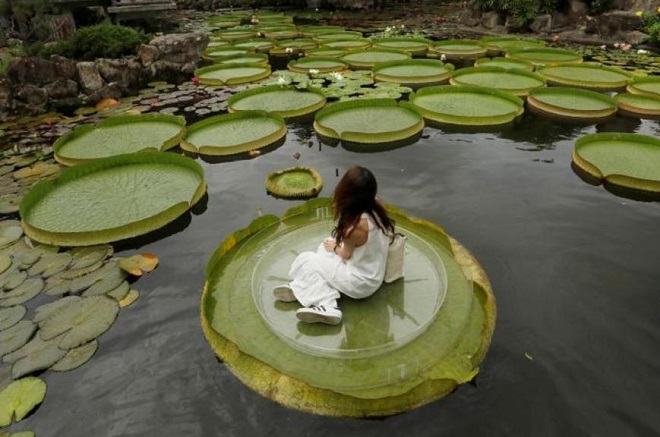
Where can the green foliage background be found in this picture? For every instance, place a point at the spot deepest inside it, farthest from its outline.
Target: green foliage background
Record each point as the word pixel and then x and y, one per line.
pixel 100 41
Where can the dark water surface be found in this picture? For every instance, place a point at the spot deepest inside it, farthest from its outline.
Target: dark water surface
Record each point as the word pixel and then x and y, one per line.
pixel 575 270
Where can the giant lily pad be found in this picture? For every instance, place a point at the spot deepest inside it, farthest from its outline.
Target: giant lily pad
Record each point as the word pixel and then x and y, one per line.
pixel 311 31
pixel 368 121
pixel 294 183
pixel 249 58
pixel 325 52
pixel 336 36
pixel 571 103
pixel 545 56
pixel 148 191
pixel 414 73
pixel 232 74
pixel 414 46
pixel 458 49
pixel 649 85
pixel 19 398
pixel 506 63
pixel 119 135
pixel 80 322
pixel 594 76
pixel 230 134
pixel 287 102
pixel 261 45
pixel 499 44
pixel 234 34
pixel 622 159
pixel 319 65
pixel 467 105
pixel 517 82
pixel 639 105
pixel 375 364
pixel 367 59
pixel 346 45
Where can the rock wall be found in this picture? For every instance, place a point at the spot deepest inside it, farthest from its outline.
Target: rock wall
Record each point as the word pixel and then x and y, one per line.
pixel 34 85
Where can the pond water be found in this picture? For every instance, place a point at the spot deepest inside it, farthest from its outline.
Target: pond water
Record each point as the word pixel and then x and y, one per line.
pixel 575 270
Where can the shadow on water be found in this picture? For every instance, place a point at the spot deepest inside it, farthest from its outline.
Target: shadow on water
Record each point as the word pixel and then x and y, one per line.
pixel 236 157
pixel 617 190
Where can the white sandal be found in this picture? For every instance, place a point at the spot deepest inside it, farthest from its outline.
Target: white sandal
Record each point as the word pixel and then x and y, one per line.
pixel 320 314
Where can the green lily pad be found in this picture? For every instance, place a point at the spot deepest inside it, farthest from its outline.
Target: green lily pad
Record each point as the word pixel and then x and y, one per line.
pixel 81 321
pixel 16 336
pixel 9 232
pixel 326 52
pixel 414 46
pixel 48 309
pixel 50 264
pixel 639 105
pixel 593 76
pixel 231 134
pixel 342 46
pixel 517 82
pixel 545 56
pixel 458 49
pixel 294 183
pixel 118 135
pixel 19 398
pixel 571 103
pixel 466 105
pixel 119 292
pixel 369 121
pixel 649 85
pixel 249 58
pixel 108 282
pixel 287 102
pixel 83 282
pixel 260 45
pixel 57 286
pixel 336 36
pixel 129 299
pixel 506 63
pixel 414 73
pixel 11 316
pixel 232 74
pixel 5 263
pixel 77 209
pixel 368 59
pixel 76 357
pixel 319 65
pixel 29 289
pixel 84 257
pixel 498 44
pixel 38 354
pixel 622 159
pixel 13 278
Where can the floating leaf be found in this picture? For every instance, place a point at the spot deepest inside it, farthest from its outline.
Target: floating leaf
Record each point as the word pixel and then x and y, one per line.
pixel 83 282
pixel 11 316
pixel 129 299
pixel 56 286
pixel 29 289
pixel 51 263
pixel 5 263
pixel 81 321
pixel 529 357
pixel 76 273
pixel 16 336
pixel 38 354
pixel 19 398
pixel 120 292
pixel 109 281
pixel 10 232
pixel 26 259
pixel 136 264
pixel 76 357
pixel 14 279
pixel 46 310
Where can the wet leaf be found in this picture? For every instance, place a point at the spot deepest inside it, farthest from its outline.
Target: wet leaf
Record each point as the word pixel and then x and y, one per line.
pixel 76 357
pixel 28 290
pixel 136 264
pixel 38 354
pixel 16 336
pixel 26 259
pixel 89 255
pixel 81 283
pixel 50 264
pixel 120 292
pixel 14 279
pixel 11 316
pixel 46 310
pixel 56 286
pixel 106 103
pixel 129 299
pixel 111 280
pixel 10 232
pixel 81 321
pixel 19 398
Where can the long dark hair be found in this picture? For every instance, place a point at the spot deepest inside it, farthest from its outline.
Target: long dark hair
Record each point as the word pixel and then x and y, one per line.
pixel 355 194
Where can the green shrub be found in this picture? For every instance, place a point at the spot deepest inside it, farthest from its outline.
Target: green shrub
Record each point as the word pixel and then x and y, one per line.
pixel 100 41
pixel 520 11
pixel 651 25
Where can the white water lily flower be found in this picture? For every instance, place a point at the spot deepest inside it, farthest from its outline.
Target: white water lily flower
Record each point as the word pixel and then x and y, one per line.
pixel 313 71
pixel 642 52
pixel 289 50
pixel 281 81
pixel 443 57
pixel 337 76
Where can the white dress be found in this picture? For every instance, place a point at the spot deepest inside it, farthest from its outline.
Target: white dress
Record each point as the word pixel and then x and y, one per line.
pixel 319 278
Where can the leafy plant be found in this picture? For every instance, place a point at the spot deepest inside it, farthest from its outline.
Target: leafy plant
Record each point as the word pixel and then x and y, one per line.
pixel 651 25
pixel 100 41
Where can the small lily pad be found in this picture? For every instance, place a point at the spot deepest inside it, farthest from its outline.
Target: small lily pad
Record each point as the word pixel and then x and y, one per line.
pixel 26 259
pixel 38 354
pixel 14 279
pixel 76 273
pixel 19 398
pixel 11 316
pixel 81 321
pixel 83 282
pixel 57 286
pixel 294 183
pixel 50 263
pixel 5 263
pixel 129 299
pixel 120 292
pixel 10 233
pixel 111 280
pixel 76 357
pixel 46 310
pixel 136 264
pixel 16 336
pixel 28 290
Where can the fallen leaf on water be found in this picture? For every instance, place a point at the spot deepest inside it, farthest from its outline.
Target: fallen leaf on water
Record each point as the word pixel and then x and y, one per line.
pixel 106 103
pixel 137 264
pixel 528 356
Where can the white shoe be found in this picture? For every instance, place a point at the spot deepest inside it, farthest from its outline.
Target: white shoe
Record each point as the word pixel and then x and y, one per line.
pixel 284 293
pixel 320 314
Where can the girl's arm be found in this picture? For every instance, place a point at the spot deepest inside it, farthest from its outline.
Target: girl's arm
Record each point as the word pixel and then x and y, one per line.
pixel 357 237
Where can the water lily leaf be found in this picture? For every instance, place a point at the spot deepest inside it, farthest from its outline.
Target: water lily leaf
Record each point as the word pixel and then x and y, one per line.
pixel 21 434
pixel 129 299
pixel 11 316
pixel 49 264
pixel 39 170
pixel 136 264
pixel 29 289
pixel 5 377
pixel 19 398
pixel 76 357
pixel 56 286
pixel 16 336
pixel 120 292
pixel 111 280
pixel 9 233
pixel 83 282
pixel 5 263
pixel 38 354
pixel 46 310
pixel 26 259
pixel 81 321
pixel 88 256
pixel 14 279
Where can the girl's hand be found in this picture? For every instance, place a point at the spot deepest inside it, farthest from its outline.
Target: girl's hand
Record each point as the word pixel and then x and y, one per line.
pixel 329 244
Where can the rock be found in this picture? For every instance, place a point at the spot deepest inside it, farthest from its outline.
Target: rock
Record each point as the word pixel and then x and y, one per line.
pixel 112 90
pixel 34 97
pixel 491 19
pixel 577 10
pixel 612 23
pixel 65 66
pixel 127 73
pixel 32 70
pixel 635 37
pixel 90 79
pixel 542 24
pixel 6 97
pixel 469 17
pixel 181 48
pixel 168 72
pixel 148 54
pixel 635 5
pixel 62 89
pixel 559 20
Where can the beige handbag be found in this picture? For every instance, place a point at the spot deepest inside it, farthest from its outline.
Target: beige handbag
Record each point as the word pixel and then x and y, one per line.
pixel 395 257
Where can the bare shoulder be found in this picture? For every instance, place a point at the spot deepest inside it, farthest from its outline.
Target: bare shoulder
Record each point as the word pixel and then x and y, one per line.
pixel 359 234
